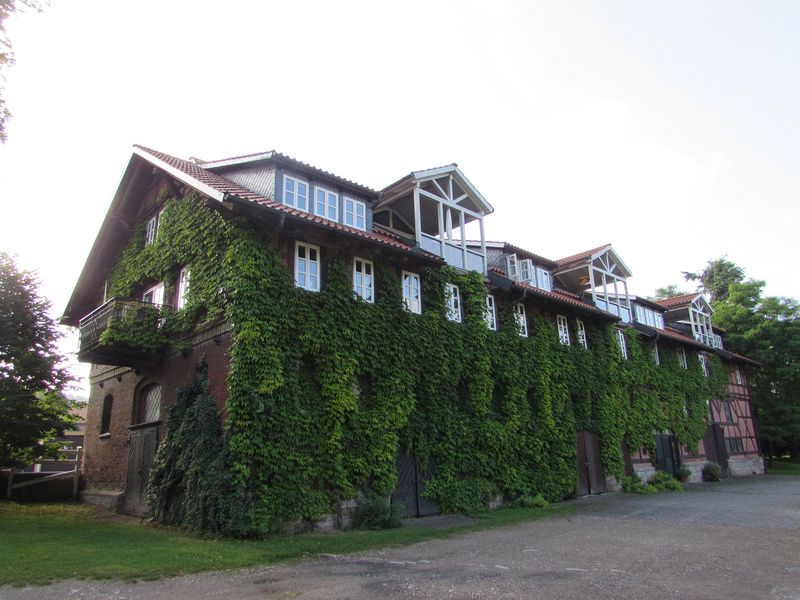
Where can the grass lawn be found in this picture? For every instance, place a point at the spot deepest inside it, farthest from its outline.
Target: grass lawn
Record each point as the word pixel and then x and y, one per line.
pixel 783 467
pixel 40 543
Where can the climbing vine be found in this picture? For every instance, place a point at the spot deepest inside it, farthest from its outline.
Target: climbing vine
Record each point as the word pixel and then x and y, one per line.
pixel 324 389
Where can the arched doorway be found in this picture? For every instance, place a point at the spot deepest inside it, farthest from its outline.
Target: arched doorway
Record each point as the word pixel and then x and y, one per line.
pixel 142 446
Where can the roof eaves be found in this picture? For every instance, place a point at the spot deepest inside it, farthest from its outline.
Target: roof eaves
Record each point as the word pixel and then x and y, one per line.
pixel 179 174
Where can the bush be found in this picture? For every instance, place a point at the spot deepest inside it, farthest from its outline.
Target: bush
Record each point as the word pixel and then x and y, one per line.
pixel 684 474
pixel 632 484
pixel 661 480
pixel 376 512
pixel 711 471
pixel 528 501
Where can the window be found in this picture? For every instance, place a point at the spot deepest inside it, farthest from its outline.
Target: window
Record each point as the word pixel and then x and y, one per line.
pixel 295 193
pixel 656 357
pixel 326 204
pixel 582 339
pixel 151 232
pixel 183 288
pixel 355 213
pixel 526 271
pixel 726 407
pixel 521 319
pixel 737 372
pixel 491 313
pixel 703 364
pixel 105 419
pixel 306 266
pixel 148 405
pixel 453 303
pixel 512 268
pixel 543 279
pixel 623 346
pixel 411 292
pixel 155 295
pixel 734 445
pixel 682 358
pixel 650 317
pixel 363 279
pixel 563 329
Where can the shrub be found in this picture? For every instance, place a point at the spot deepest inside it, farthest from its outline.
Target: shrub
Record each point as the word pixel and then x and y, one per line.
pixel 632 484
pixel 661 480
pixel 528 501
pixel 711 471
pixel 376 512
pixel 684 474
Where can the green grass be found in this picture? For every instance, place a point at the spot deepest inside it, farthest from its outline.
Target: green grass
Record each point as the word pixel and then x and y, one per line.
pixel 41 543
pixel 783 467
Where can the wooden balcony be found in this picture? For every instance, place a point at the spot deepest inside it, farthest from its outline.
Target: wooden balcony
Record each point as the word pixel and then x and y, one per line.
pixel 107 334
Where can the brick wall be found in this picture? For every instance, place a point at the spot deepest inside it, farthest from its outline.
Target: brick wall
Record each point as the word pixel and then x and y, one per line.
pixel 106 456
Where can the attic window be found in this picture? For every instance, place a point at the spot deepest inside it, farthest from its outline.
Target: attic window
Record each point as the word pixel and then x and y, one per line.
pixel 355 213
pixel 326 204
pixel 295 193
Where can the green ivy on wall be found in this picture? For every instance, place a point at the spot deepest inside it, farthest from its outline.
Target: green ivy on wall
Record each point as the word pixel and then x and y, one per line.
pixel 324 388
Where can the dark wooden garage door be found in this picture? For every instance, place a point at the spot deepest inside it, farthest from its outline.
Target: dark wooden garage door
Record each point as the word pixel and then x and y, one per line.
pixel 411 482
pixel 591 479
pixel 714 443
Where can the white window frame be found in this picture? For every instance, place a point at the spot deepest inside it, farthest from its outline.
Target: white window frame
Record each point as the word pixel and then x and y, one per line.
pixel 527 272
pixel 512 267
pixel 329 211
pixel 543 279
pixel 295 196
pixel 582 338
pixel 563 330
pixel 622 343
pixel 491 312
pixel 311 281
pixel 151 229
pixel 158 295
pixel 703 363
pixel 521 318
pixel 453 302
pixel 365 288
pixel 412 293
pixel 738 375
pixel 351 206
pixel 681 351
pixel 184 278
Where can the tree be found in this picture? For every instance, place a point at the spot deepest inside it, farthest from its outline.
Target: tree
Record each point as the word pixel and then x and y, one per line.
pixel 717 277
pixel 32 409
pixel 7 8
pixel 667 292
pixel 766 329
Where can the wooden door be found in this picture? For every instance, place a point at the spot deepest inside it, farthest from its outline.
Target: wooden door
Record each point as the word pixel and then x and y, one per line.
pixel 591 478
pixel 666 453
pixel 143 443
pixel 714 443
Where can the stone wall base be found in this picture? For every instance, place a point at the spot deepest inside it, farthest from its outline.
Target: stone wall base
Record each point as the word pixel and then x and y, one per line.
pixel 746 465
pixel 110 499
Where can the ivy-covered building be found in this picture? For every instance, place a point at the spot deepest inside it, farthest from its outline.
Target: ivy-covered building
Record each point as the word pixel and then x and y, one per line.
pixel 269 341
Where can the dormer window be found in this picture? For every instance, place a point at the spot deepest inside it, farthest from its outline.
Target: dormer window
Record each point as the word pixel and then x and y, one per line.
pixel 648 316
pixel 295 193
pixel 524 271
pixel 326 203
pixel 543 279
pixel 355 213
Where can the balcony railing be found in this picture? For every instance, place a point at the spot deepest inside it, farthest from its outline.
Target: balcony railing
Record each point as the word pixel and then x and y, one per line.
pixel 453 253
pixel 131 313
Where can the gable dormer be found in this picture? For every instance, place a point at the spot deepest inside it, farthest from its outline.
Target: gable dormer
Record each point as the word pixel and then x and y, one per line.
pixel 694 312
pixel 437 208
pixel 598 273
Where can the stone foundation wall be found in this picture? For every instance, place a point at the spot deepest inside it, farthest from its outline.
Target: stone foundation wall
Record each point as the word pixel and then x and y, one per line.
pixel 746 465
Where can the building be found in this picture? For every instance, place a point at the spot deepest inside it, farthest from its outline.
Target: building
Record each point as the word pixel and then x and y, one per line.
pixel 359 339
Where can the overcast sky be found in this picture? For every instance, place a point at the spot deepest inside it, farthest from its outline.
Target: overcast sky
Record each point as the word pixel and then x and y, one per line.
pixel 670 129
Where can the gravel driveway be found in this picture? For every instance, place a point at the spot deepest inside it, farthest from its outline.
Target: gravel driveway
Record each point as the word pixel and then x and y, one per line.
pixel 737 539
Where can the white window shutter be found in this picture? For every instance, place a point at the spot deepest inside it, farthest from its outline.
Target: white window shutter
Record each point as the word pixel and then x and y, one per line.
pixel 526 270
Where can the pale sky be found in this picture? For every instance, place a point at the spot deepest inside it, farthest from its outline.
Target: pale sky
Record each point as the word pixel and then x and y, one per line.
pixel 670 129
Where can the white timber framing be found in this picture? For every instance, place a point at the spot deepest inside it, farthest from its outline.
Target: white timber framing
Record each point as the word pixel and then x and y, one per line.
pixel 607 272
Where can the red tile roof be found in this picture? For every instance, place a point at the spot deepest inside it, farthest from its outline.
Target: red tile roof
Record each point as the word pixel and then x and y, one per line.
pixel 226 186
pixel 677 300
pixel 547 261
pixel 580 256
pixel 558 296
